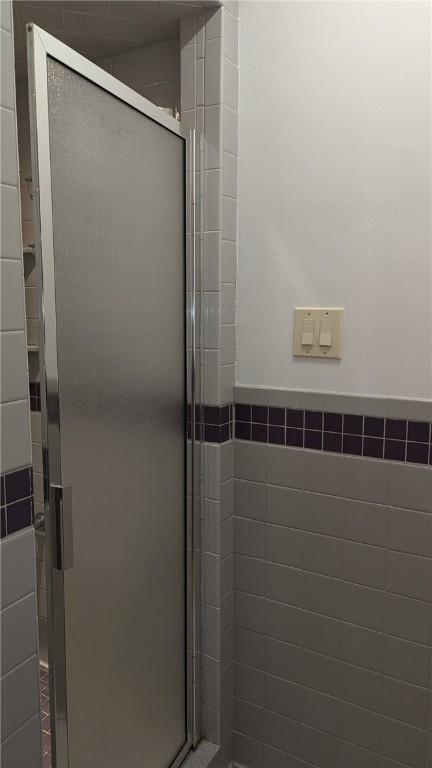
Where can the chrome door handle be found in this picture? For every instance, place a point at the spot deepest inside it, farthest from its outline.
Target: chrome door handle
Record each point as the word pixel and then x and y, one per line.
pixel 61 504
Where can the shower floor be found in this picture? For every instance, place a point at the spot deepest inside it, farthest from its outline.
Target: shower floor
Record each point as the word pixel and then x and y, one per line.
pixel 45 718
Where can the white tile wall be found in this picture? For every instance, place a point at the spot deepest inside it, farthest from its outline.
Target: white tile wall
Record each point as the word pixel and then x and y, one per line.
pixel 228 303
pixel 200 82
pixel 6 85
pixel 20 664
pixel 127 67
pixel 19 748
pixel 211 261
pixel 211 319
pixel 20 695
pixel 8 170
pixel 38 487
pixel 10 234
pixel 6 17
pixel 15 435
pixel 12 294
pixel 207 49
pixel 37 458
pixel 188 86
pixel 212 373
pixel 32 332
pixel 36 427
pixel 15 644
pixel 213 132
pixel 229 261
pixel 227 382
pixel 31 302
pixel 229 130
pixel 212 200
pixel 230 37
pixel 230 83
pixel 229 219
pixel 153 71
pixel 229 175
pixel 17 567
pixel 14 384
pixel 20 727
pixel 28 232
pixel 213 70
pixel 160 62
pixel 228 344
pixel 213 25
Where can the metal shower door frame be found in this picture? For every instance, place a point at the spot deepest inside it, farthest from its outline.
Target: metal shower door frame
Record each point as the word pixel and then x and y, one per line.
pixel 40 46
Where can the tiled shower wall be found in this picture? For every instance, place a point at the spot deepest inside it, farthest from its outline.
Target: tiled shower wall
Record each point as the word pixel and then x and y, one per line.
pixel 32 309
pixel 333 589
pixel 153 71
pixel 209 95
pixel 20 719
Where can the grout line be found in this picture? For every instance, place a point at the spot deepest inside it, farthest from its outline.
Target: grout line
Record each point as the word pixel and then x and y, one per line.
pixel 330 696
pixel 382 632
pixel 18 400
pixel 323 655
pixel 19 600
pixel 320 493
pixel 339 579
pixel 298 759
pixel 36 714
pixel 380 547
pixel 313 728
pixel 21 663
pixel 10 186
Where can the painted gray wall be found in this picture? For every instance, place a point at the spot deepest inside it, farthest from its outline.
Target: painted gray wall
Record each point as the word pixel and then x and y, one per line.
pixel 333 610
pixel 20 722
pixel 335 191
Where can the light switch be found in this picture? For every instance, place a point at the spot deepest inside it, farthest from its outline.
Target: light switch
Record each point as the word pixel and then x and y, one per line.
pixel 308 332
pixel 318 331
pixel 325 335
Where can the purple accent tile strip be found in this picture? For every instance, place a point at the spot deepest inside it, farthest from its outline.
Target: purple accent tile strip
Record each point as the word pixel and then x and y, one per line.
pixel 213 423
pixel 16 500
pixel 378 438
pixel 35 396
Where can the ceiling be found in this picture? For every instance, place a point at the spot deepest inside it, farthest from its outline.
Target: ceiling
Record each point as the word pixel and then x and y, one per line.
pixel 99 28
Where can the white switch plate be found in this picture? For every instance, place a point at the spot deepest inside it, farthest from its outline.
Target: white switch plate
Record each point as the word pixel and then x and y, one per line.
pixel 330 317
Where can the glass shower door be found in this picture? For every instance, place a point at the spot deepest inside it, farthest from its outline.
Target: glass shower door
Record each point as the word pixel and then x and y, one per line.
pixel 111 172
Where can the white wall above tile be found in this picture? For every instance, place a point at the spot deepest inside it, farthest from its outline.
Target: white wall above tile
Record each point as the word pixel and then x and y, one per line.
pixel 334 182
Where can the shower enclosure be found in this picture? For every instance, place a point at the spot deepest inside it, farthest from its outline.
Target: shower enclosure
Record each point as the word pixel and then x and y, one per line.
pixel 114 182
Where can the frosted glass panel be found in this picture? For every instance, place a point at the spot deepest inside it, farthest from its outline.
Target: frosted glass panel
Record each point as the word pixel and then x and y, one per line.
pixel 118 223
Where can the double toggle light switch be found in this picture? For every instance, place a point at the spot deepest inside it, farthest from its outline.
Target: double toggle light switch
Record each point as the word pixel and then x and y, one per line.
pixel 318 331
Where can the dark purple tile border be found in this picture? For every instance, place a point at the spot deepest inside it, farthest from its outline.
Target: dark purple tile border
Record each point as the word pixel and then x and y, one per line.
pixel 35 396
pixel 369 436
pixel 16 500
pixel 378 438
pixel 213 423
